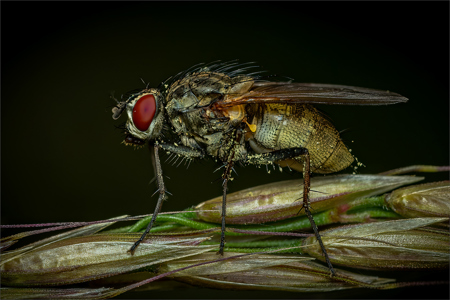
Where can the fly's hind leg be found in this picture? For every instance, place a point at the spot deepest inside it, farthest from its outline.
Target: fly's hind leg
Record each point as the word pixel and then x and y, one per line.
pixel 307 206
pixel 283 154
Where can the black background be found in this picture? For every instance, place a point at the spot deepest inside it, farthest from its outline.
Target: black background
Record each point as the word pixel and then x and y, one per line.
pixel 61 155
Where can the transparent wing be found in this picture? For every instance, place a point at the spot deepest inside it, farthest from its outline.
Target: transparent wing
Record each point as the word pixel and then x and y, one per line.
pixel 315 93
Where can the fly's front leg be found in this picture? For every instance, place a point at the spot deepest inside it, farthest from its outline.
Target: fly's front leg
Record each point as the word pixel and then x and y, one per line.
pixel 182 151
pixel 161 198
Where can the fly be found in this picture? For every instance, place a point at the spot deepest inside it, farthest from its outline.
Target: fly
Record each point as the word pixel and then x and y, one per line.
pixel 219 110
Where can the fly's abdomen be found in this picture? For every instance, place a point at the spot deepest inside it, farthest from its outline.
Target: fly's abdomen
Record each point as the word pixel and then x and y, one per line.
pixel 284 126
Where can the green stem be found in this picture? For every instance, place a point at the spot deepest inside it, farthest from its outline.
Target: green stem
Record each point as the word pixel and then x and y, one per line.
pixel 364 203
pixel 178 219
pixel 362 208
pixel 261 244
pixel 322 218
pixel 364 216
pixel 255 250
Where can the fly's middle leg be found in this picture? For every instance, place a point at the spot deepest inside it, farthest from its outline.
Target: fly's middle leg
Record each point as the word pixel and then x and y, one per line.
pixel 273 156
pixel 226 176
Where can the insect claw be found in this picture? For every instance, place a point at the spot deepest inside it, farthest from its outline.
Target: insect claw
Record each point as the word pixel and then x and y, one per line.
pixel 132 249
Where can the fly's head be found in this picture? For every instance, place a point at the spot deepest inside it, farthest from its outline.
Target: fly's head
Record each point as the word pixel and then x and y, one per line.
pixel 145 113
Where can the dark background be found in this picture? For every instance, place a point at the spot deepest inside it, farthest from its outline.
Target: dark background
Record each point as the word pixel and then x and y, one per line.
pixel 62 158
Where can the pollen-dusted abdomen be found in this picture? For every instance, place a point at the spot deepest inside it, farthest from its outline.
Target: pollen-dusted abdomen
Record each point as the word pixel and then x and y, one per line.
pixel 284 126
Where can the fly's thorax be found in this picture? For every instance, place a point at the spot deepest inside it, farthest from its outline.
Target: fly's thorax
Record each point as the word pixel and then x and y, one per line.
pixel 203 89
pixel 145 111
pixel 195 89
pixel 190 104
pixel 284 126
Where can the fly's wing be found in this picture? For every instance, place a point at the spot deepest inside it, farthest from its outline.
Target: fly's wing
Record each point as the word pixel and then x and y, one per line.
pixel 314 93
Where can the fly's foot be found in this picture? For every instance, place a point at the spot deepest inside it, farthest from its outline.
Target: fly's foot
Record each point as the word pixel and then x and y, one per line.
pixel 222 245
pixel 134 247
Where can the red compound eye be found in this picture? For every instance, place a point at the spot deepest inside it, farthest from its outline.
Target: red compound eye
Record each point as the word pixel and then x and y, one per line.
pixel 144 111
